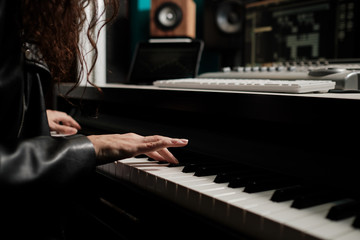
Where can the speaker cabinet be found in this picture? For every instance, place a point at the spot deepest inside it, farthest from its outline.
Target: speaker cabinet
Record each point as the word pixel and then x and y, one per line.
pixel 224 23
pixel 173 18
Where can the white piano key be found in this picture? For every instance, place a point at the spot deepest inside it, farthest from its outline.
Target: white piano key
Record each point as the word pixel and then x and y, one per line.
pixel 183 194
pixel 161 184
pixel 293 213
pixel 219 211
pixel 156 181
pixel 164 174
pixel 141 178
pixel 134 175
pixel 226 192
pixel 254 216
pixel 194 187
pixel 201 186
pixel 133 160
pixel 172 190
pixel 236 201
pixel 124 170
pixel 207 201
pixel 123 167
pixel 110 168
pixel 332 229
pixel 119 170
pixel 219 188
pixel 149 171
pixel 188 180
pixel 271 208
pixel 238 195
pixel 182 178
pixel 164 168
pixel 309 222
pixel 129 161
pixel 275 224
pixel 253 201
pixel 176 186
pixel 240 219
pixel 195 182
pixel 353 235
pixel 151 167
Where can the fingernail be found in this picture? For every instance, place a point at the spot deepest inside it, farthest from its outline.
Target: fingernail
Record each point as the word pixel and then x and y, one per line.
pixel 179 141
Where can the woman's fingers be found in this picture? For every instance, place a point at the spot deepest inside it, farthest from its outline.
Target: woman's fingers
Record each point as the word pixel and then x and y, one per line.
pixel 163 155
pixel 63 129
pixel 119 146
pixel 69 121
pixel 154 143
pixel 156 147
pixel 62 123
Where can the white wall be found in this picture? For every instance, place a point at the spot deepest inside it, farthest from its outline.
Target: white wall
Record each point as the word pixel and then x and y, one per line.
pixel 98 76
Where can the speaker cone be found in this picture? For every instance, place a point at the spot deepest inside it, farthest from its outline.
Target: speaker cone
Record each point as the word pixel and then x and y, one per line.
pixel 168 16
pixel 229 17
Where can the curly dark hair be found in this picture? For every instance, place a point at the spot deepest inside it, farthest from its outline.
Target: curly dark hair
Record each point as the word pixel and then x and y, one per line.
pixel 55 26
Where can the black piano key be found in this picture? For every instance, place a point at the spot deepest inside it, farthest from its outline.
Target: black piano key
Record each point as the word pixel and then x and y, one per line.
pixel 313 199
pixel 194 166
pixel 238 182
pixel 190 167
pixel 243 180
pixel 208 170
pixel 344 210
pixel 226 176
pixel 183 161
pixel 288 193
pixel 175 164
pixel 356 223
pixel 162 162
pixel 268 183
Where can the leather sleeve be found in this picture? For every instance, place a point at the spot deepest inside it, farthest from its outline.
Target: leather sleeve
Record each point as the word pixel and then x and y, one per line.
pixel 42 161
pixel 11 68
pixel 40 180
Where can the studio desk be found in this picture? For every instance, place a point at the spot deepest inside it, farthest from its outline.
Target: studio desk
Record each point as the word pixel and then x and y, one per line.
pixel 258 165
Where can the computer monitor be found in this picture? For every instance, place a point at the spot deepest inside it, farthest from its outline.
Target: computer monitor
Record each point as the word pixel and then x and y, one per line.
pixel 160 59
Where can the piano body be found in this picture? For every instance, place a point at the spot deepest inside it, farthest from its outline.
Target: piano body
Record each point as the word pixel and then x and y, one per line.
pixel 308 141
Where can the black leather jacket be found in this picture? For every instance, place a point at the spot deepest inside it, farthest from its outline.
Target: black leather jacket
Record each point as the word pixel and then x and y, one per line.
pixel 35 169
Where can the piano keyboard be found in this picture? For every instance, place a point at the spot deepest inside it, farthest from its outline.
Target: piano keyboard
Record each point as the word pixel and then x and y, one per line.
pixel 267 207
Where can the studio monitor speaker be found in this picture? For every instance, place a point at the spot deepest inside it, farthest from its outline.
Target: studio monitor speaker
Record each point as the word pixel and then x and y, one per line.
pixel 224 23
pixel 173 18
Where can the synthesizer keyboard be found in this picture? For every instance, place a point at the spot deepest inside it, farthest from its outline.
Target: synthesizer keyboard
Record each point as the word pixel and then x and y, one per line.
pixel 257 85
pixel 345 76
pixel 266 207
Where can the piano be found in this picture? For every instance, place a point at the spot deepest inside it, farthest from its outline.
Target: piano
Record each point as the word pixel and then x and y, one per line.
pixel 258 165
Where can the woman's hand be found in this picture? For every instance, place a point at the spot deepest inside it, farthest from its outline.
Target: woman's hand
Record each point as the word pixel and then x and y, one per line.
pixel 62 123
pixel 115 147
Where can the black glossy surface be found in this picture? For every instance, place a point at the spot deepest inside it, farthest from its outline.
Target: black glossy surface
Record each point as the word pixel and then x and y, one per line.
pixel 306 136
